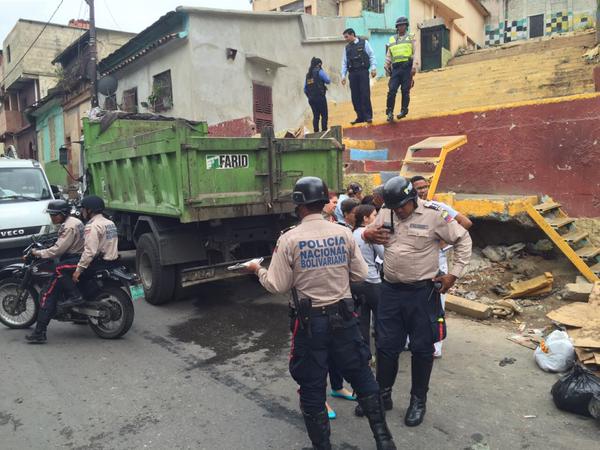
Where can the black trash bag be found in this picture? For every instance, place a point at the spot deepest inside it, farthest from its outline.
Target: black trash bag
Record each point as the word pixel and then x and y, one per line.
pixel 574 391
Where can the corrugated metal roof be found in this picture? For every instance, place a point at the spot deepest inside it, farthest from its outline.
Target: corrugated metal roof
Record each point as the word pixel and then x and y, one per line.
pixel 163 30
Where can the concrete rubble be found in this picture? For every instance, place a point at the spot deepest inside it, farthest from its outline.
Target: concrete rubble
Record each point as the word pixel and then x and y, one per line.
pixel 582 322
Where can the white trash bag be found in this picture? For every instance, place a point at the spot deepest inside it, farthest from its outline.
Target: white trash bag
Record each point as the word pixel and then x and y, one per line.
pixel 555 353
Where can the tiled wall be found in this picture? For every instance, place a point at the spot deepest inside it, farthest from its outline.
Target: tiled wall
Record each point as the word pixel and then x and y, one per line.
pixel 559 22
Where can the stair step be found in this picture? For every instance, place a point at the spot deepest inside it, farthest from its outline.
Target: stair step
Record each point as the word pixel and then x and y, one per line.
pixel 548 206
pixel 408 174
pixel 588 252
pixel 575 236
pixel 423 160
pixel 559 222
pixel 596 268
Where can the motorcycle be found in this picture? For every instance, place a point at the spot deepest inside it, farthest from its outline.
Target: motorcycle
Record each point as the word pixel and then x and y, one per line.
pixel 108 308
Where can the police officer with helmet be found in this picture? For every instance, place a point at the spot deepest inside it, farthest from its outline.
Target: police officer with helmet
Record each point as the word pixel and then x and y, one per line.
pixel 317 260
pixel 101 240
pixel 399 65
pixel 67 249
pixel 410 230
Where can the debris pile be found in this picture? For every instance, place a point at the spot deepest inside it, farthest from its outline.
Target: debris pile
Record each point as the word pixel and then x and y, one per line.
pixel 583 326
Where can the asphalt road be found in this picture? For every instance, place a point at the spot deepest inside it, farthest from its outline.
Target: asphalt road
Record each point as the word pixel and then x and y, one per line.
pixel 211 373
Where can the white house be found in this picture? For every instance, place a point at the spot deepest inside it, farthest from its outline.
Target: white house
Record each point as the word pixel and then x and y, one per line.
pixel 229 68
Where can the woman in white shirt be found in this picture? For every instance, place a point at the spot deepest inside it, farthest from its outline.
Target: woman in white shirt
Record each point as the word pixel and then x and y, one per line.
pixel 367 291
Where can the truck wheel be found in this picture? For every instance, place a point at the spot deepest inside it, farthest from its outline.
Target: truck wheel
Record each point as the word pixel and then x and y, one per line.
pixel 158 281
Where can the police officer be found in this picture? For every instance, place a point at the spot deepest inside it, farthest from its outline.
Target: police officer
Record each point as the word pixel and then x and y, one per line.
pixel 319 259
pixel 399 65
pixel 410 230
pixel 67 249
pixel 315 89
pixel 101 240
pixel 358 59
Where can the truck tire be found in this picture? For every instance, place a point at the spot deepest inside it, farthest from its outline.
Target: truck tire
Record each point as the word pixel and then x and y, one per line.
pixel 158 280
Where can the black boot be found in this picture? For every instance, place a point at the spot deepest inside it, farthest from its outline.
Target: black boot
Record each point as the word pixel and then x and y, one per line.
pixel 594 407
pixel 415 412
pixel 318 429
pixel 373 408
pixel 386 399
pixel 38 336
pixel 403 114
pixel 390 116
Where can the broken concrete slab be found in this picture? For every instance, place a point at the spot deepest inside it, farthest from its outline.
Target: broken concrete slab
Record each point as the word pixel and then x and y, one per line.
pixel 499 253
pixel 587 337
pixel 467 307
pixel 579 292
pixel 530 288
pixel 594 298
pixel 576 314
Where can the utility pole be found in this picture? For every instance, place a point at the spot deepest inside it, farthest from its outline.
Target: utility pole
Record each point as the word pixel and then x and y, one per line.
pixel 93 55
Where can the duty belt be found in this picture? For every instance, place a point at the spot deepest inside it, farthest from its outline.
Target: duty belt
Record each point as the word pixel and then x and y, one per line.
pixel 317 311
pixel 416 285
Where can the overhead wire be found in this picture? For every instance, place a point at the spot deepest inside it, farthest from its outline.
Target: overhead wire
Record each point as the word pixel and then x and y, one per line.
pixel 33 43
pixel 111 15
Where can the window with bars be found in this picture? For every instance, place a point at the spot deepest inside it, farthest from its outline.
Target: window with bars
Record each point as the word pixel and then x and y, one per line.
pixel 374 5
pixel 262 98
pixel 162 92
pixel 130 100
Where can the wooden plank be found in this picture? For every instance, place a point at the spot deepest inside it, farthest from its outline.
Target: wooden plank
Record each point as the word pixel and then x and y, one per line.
pixel 451 142
pixel 561 244
pixel 545 207
pixel 588 252
pixel 467 307
pixel 421 160
pixel 559 222
pixel 575 236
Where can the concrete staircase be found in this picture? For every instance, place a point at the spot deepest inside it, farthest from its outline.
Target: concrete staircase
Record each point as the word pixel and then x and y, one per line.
pixel 491 77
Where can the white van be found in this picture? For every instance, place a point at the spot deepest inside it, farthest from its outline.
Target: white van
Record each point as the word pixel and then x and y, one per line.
pixel 24 196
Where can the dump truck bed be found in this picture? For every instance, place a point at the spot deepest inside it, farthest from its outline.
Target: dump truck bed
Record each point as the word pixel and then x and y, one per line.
pixel 172 168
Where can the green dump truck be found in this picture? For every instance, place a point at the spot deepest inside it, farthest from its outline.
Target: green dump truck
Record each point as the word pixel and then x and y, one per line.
pixel 191 204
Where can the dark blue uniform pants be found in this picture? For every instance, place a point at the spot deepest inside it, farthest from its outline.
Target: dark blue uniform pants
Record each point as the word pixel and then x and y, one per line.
pixel 62 278
pixel 361 94
pixel 406 310
pixel 335 338
pixel 319 110
pixel 368 296
pixel 401 78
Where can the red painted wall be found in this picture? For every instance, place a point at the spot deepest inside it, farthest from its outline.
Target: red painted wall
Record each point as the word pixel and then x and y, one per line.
pixel 551 149
pixel 243 127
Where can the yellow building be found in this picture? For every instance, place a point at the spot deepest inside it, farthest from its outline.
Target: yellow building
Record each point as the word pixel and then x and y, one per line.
pixel 444 26
pixel 463 19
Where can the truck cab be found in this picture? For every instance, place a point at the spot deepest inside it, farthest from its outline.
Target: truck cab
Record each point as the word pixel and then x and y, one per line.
pixel 24 195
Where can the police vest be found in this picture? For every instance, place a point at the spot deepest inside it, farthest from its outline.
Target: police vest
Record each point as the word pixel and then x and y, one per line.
pixel 401 48
pixel 315 87
pixel 356 55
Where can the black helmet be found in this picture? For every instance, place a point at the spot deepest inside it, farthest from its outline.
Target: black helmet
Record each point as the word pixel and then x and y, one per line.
pixel 402 21
pixel 56 207
pixel 397 192
pixel 93 203
pixel 310 190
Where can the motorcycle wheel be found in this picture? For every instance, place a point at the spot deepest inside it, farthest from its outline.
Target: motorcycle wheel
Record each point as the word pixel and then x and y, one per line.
pixel 10 317
pixel 120 310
